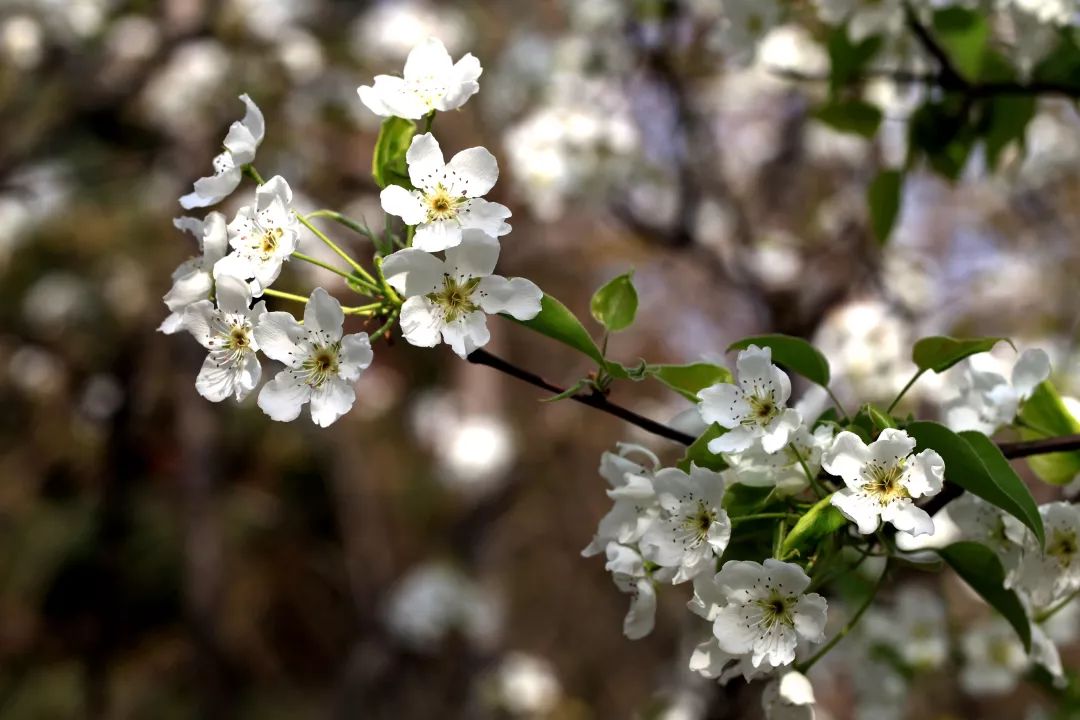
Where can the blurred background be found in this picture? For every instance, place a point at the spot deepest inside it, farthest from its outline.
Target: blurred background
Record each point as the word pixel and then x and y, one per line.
pixel 162 557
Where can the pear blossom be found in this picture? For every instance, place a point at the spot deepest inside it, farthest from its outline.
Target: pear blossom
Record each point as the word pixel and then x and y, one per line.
pixel 635 503
pixel 194 279
pixel 627 570
pixel 994 658
pixel 789 697
pixel 883 479
pixel 742 26
pixel 988 400
pixel 693 529
pixel 432 81
pixel 1048 574
pixel 227 331
pixel 448 198
pixel 914 628
pixel 753 408
pixel 263 236
pixel 447 299
pixel 767 611
pixel 241 142
pixel 971 518
pixel 783 469
pixel 707 659
pixel 320 363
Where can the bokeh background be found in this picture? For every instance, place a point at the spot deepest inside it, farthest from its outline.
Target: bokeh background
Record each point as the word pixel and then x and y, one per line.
pixel 162 557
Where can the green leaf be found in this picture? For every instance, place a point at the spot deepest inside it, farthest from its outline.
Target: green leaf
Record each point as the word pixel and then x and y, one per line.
pixel 981 569
pixel 1005 119
pixel 1045 410
pixel 942 132
pixel 940 353
pixel 794 353
pixel 963 34
pixel 883 195
pixel 1061 64
pixel 615 304
pixel 741 500
pixel 976 465
pixel 689 380
pixel 847 59
pixel 698 452
pixel 388 164
pixel 558 323
pixel 879 419
pixel 819 521
pixel 857 117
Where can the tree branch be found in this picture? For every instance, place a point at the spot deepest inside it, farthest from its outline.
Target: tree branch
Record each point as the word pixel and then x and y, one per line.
pixel 1027 448
pixel 978 90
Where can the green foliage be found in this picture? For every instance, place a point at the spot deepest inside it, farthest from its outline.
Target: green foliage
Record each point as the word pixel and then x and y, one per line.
pixel 1062 63
pixel 689 380
pixel 698 452
pixel 742 500
pixel 388 164
pixel 976 464
pixel 884 196
pixel 847 59
pixel 615 304
pixel 819 522
pixel 557 322
pixel 981 570
pixel 963 34
pixel 794 353
pixel 940 353
pixel 879 419
pixel 1004 121
pixel 850 116
pixel 1045 410
pixel 942 132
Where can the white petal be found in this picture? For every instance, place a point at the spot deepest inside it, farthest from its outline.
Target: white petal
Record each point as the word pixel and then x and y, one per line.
pixel 323 315
pixel 187 289
pixel 234 265
pixel 846 458
pixel 475 257
pixel 215 237
pixel 277 334
pixel 198 320
pixel 373 98
pixel 471 173
pixel 517 297
pixel 405 204
pixel 463 84
pixel 733 441
pixel 212 190
pixel 284 396
pixel 789 578
pixel 174 323
pixel 641 618
pixel 413 272
pixel 905 516
pixel 486 216
pixel 428 59
pixel 275 189
pixel 467 333
pixel 925 474
pixel 811 612
pixel 392 96
pixel 737 577
pixel 891 446
pixel 779 430
pixel 437 236
pixel 723 403
pixel 858 508
pixel 356 355
pixel 233 295
pixel 1032 368
pixel 420 323
pixel 425 160
pixel 331 400
pixel 245 135
pixel 756 372
pixel 735 628
pixel 215 382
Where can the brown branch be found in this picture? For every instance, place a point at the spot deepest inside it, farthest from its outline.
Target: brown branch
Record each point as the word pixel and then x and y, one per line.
pixel 1027 448
pixel 977 90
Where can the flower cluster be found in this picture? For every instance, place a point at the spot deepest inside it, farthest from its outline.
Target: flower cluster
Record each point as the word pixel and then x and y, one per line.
pixel 218 296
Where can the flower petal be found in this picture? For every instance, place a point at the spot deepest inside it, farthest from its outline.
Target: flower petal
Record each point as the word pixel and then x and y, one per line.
pixel 277 334
pixel 475 257
pixel 420 323
pixel 1031 368
pixel 641 617
pixel 925 474
pixel 811 613
pixel 858 508
pixel 471 173
pixel 212 190
pixel 518 297
pixel 331 400
pixel 735 628
pixel 428 59
pixel 403 203
pixel 467 333
pixel 198 320
pixel 284 396
pixel 891 446
pixel 846 457
pixel 413 272
pixel 723 403
pixel 425 160
pixel 356 355
pixel 323 315
pixel 233 295
pixel 905 516
pixel 463 83
pixel 486 216
pixel 733 441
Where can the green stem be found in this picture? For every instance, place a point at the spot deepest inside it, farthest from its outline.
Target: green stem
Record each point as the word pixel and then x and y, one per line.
pixel 903 392
pixel 343 220
pixel 778 541
pixel 818 489
pixel 385 327
pixel 1053 609
pixel 428 120
pixel 761 516
pixel 809 662
pixel 341 253
pixel 252 173
pixel 836 402
pixel 323 265
pixel 370 309
pixel 284 295
pixel 387 290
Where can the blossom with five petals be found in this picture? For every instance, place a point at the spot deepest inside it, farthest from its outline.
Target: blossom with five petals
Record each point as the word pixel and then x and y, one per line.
pixel 194 279
pixel 432 81
pixel 242 140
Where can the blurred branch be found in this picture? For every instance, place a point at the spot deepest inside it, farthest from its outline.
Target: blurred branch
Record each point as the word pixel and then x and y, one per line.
pixel 1042 446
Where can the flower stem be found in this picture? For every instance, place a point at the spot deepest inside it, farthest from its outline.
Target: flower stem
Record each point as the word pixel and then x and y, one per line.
pixel 385 327
pixel 341 253
pixel 369 309
pixel 428 120
pixel 809 662
pixel 818 489
pixel 284 295
pixel 761 516
pixel 343 220
pixel 1053 609
pixel 836 402
pixel 387 291
pixel 903 392
pixel 324 266
pixel 252 173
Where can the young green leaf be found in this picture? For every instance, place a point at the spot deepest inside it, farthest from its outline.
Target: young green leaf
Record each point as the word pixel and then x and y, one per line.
pixel 698 452
pixel 1046 411
pixel 940 353
pixel 1005 119
pixel 689 380
pixel 981 570
pixel 615 304
pixel 819 521
pixel 976 465
pixel 847 59
pixel 879 419
pixel 884 196
pixel 741 500
pixel 963 34
pixel 558 323
pixel 794 353
pixel 388 164
pixel 857 117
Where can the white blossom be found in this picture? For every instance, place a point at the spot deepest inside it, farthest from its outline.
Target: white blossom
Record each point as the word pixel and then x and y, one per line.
pixel 767 612
pixel 755 407
pixel 449 300
pixel 783 469
pixel 914 627
pixel 627 570
pixel 742 25
pixel 227 331
pixel 320 363
pixel 432 81
pixel 631 487
pixel 241 142
pixel 789 697
pixel 526 685
pixel 448 198
pixel 883 479
pixel 693 529
pixel 994 658
pixel 987 400
pixel 1047 575
pixel 194 279
pixel 434 599
pixel 263 236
